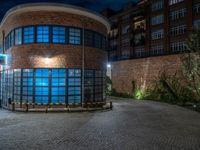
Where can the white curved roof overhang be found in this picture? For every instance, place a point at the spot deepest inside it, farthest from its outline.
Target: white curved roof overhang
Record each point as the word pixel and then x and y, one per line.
pixel 57 7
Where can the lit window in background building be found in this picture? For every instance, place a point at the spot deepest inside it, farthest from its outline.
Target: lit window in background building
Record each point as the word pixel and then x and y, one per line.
pixel 157 19
pixel 157 5
pixel 172 2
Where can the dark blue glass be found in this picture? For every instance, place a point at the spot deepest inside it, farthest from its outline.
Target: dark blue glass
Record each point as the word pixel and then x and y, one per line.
pixel 97 40
pixel 58 35
pixel 74 36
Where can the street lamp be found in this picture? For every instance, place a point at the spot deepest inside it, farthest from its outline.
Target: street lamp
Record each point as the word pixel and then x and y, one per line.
pixel 108 65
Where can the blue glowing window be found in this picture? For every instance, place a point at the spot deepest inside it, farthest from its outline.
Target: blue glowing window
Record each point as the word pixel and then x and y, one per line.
pixel 41 81
pixel 18 36
pixel 58 72
pixel 74 73
pixel 27 72
pixel 27 99
pixel 42 72
pixel 41 99
pixel 17 81
pixel 74 91
pixel 43 34
pixel 58 99
pixel 41 91
pixel 74 82
pixel 27 81
pixel 12 39
pixel 58 81
pixel 58 91
pixel 17 72
pixel 27 91
pixel 74 36
pixel 58 34
pixel 28 34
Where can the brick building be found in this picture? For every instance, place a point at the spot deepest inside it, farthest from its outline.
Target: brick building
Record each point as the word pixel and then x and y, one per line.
pixel 55 54
pixel 147 38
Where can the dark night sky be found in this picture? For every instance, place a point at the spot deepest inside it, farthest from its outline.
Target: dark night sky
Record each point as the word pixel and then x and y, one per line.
pixel 96 5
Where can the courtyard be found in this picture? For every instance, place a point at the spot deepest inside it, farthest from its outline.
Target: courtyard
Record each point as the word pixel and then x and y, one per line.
pixel 132 124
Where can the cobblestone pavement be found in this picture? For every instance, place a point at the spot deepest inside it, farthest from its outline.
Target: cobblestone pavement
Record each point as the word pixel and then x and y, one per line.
pixel 131 125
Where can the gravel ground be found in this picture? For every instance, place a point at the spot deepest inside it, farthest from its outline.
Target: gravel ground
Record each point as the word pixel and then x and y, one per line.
pixel 131 125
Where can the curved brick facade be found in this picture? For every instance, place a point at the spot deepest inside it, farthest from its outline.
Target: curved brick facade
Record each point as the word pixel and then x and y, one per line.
pixel 44 45
pixel 30 55
pixel 60 56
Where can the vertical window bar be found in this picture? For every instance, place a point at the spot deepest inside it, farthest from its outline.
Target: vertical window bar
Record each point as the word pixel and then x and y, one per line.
pixel 34 86
pixel 49 87
pixel 94 76
pixel 21 86
pixel 50 34
pixel 66 87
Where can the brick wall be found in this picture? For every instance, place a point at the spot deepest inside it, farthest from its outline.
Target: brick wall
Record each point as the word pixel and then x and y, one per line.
pixel 143 71
pixel 60 55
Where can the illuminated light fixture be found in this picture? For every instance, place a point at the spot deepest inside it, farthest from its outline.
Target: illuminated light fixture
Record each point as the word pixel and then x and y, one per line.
pixel 47 60
pixel 108 65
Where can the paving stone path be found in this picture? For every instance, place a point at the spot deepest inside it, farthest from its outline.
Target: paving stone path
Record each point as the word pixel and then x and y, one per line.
pixel 131 125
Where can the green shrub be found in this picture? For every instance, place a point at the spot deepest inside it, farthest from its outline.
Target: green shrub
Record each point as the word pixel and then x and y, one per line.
pixel 117 94
pixel 108 84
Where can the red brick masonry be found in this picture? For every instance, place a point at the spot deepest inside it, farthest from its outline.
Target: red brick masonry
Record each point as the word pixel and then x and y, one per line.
pixel 142 71
pixel 60 55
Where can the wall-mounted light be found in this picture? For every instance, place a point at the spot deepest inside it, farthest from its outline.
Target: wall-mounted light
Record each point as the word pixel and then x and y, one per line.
pixel 47 60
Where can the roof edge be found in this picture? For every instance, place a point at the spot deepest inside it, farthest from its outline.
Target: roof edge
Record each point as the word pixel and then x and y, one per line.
pixel 57 7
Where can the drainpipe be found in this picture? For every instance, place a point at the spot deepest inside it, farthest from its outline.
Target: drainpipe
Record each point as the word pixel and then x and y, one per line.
pixel 83 61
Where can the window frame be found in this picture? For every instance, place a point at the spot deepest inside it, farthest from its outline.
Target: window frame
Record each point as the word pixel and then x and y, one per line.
pixel 34 34
pixel 65 35
pixel 81 32
pixel 49 33
pixel 19 35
